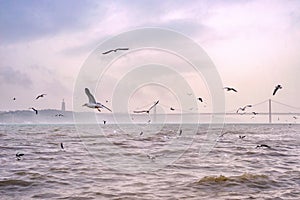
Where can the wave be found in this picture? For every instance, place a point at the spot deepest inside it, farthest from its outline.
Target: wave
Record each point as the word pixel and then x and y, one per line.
pixel 246 177
pixel 14 182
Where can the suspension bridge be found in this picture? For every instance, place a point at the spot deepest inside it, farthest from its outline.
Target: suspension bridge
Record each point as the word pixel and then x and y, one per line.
pixel 266 111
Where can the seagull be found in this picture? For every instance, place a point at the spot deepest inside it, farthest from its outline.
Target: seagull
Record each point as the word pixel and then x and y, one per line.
pixel 115 50
pixel 61 145
pixel 141 133
pixel 254 113
pixel 294 117
pixel 59 115
pixel 277 88
pixel 243 108
pixel 230 89
pixel 19 155
pixel 172 108
pixel 35 110
pixel 146 111
pixel 104 121
pixel 242 136
pixel 14 98
pixel 92 102
pixel 180 132
pixel 151 157
pixel 263 145
pixel 200 99
pixel 39 96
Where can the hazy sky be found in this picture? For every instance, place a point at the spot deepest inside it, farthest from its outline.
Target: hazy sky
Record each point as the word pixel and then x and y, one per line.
pixel 43 44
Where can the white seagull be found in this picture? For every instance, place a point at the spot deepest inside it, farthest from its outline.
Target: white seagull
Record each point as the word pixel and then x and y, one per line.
pixel 92 102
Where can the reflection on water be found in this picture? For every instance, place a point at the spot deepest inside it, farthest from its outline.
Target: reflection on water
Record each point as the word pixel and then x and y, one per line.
pixel 121 163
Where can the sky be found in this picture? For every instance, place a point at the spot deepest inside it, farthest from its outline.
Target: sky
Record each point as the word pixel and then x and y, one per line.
pixel 254 46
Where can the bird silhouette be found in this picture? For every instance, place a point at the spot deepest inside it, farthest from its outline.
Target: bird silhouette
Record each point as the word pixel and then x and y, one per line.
pixel 19 155
pixel 41 95
pixel 263 145
pixel 147 111
pixel 200 99
pixel 35 110
pixel 115 50
pixel 230 89
pixel 276 89
pixel 243 108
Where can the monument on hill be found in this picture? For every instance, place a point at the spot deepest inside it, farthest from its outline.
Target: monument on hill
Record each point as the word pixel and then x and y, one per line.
pixel 63 105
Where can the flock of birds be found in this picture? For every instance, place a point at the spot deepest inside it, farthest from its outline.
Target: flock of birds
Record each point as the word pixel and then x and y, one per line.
pixel 93 104
pixel 36 110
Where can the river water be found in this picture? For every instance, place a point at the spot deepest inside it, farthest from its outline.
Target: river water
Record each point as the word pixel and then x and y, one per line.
pixel 154 162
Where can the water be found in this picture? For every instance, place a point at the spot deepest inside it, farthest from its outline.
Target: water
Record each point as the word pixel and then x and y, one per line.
pixel 122 163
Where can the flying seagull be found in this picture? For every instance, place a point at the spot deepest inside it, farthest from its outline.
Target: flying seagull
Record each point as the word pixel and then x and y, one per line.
pixel 230 89
pixel 39 96
pixel 115 50
pixel 35 110
pixel 61 145
pixel 146 111
pixel 243 108
pixel 242 136
pixel 92 102
pixel 276 89
pixel 172 108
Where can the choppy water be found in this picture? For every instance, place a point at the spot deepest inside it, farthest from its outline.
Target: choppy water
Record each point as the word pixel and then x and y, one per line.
pixel 152 163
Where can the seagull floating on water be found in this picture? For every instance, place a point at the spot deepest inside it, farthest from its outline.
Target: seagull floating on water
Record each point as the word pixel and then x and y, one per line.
pixel 263 145
pixel 19 155
pixel 14 98
pixel 92 102
pixel 180 132
pixel 172 108
pixel 41 95
pixel 115 50
pixel 276 89
pixel 35 110
pixel 200 99
pixel 146 111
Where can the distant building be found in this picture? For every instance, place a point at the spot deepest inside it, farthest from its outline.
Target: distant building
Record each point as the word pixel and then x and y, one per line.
pixel 63 105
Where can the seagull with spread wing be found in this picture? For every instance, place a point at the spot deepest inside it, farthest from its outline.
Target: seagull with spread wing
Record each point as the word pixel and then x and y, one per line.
pixel 35 110
pixel 40 96
pixel 115 50
pixel 92 102
pixel 147 111
pixel 230 89
pixel 276 89
pixel 243 108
